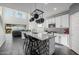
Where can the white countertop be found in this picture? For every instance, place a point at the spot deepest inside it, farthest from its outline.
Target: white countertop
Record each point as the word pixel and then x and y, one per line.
pixel 40 36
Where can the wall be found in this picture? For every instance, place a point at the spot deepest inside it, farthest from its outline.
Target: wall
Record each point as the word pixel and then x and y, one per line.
pixel 2 36
pixel 74 19
pixel 74 27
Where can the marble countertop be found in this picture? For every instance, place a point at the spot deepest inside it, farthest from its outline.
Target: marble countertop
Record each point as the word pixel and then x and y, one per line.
pixel 40 36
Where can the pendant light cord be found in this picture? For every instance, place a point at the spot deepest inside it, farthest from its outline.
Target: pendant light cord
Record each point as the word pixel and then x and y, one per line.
pixel 35 5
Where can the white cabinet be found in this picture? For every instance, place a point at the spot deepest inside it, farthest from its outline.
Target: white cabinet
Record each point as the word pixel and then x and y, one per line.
pixel 62 22
pixel 64 40
pixel 65 21
pixel 48 21
pixel 57 38
pixel 52 46
pixel 65 24
pixel 58 21
pixel 58 25
pixel 52 20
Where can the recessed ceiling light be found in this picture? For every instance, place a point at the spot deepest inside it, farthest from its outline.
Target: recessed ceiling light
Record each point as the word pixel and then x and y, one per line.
pixel 45 3
pixel 55 9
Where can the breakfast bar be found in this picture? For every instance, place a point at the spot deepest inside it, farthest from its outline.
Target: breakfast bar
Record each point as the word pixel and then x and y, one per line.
pixel 38 43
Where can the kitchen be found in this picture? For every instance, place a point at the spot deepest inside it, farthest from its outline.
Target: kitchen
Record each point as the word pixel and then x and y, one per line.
pixel 34 28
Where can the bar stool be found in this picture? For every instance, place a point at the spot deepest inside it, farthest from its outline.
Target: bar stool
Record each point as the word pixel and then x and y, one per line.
pixel 26 44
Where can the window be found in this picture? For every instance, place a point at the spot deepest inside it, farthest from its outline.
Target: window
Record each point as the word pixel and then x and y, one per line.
pixel 8 12
pixel 11 12
pixel 18 14
pixel 23 15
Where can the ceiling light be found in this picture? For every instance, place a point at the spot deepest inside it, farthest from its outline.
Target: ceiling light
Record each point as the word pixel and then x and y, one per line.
pixel 45 3
pixel 55 8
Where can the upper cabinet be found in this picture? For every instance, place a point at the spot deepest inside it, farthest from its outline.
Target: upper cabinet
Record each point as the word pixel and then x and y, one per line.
pixel 48 21
pixel 62 21
pixel 65 21
pixel 58 22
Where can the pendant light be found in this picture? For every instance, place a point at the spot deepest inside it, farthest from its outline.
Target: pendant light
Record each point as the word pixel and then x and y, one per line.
pixel 36 16
pixel 32 19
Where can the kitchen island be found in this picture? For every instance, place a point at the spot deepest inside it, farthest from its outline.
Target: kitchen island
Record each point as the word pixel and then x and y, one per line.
pixel 38 43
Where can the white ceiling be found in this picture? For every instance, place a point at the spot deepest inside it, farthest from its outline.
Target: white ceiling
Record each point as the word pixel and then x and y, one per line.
pixel 47 8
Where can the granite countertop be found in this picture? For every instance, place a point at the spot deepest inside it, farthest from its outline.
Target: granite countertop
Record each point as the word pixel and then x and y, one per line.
pixel 40 36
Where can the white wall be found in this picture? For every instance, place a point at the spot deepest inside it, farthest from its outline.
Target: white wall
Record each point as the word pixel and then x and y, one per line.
pixel 2 36
pixel 13 20
pixel 74 32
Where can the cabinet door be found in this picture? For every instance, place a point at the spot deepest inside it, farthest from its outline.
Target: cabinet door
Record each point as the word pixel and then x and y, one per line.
pixel 58 21
pixel 65 21
pixel 64 40
pixel 52 46
pixel 52 20
pixel 57 38
pixel 49 21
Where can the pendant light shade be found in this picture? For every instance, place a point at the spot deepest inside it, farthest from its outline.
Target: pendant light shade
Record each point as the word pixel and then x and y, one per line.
pixel 36 16
pixel 32 19
pixel 41 20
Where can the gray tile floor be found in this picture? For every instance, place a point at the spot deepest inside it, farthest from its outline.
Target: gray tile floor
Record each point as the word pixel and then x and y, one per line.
pixel 63 50
pixel 17 49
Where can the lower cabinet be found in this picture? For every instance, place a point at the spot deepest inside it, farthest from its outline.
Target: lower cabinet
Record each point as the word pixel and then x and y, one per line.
pixel 62 39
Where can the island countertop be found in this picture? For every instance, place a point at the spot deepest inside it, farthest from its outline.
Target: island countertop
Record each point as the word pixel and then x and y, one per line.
pixel 40 36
